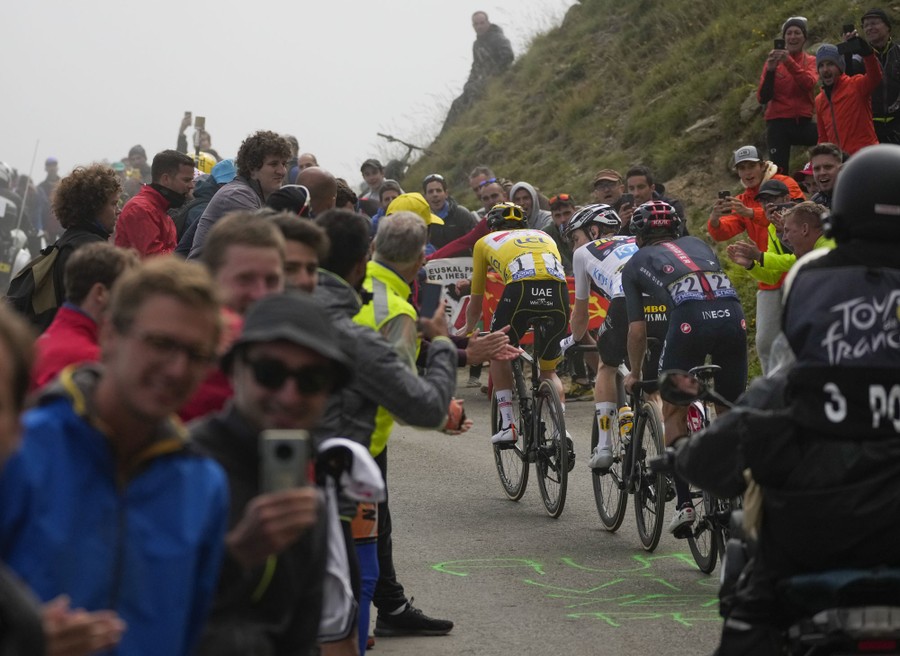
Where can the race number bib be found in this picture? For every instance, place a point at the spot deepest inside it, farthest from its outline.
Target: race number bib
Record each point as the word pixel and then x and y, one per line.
pixel 701 286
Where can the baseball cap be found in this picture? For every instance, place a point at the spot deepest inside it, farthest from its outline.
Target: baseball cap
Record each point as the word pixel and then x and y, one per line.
pixel 224 171
pixel 371 163
pixel 290 198
pixel 292 317
pixel 607 174
pixel 773 188
pixel 746 154
pixel 875 12
pixel 414 202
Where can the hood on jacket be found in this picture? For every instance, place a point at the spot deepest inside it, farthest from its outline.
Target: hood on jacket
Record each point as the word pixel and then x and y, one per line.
pixel 206 189
pixel 538 219
pixel 770 170
pixel 336 295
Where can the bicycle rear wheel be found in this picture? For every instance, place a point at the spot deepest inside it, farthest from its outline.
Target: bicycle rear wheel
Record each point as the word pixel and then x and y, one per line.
pixel 650 489
pixel 512 465
pixel 609 488
pixel 704 538
pixel 552 462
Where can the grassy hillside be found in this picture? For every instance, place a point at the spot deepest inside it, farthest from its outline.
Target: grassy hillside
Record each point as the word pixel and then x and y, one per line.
pixel 624 82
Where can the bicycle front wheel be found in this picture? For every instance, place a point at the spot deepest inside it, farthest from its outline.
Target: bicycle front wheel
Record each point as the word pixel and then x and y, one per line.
pixel 512 466
pixel 552 462
pixel 609 487
pixel 704 538
pixel 650 490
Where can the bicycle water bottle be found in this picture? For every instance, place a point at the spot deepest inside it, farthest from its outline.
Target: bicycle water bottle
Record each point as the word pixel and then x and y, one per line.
pixel 626 423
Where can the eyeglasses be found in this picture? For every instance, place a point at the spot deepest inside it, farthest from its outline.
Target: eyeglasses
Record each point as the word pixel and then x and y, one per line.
pixel 168 347
pixel 272 374
pixel 486 182
pixel 561 198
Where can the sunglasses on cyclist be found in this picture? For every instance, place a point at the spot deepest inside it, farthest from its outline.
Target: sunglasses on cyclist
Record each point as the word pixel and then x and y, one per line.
pixel 272 374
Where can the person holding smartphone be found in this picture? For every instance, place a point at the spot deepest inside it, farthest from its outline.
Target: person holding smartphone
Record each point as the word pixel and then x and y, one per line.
pixel 786 88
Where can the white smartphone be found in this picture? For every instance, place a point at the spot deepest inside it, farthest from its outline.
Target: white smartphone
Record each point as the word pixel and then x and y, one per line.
pixel 283 457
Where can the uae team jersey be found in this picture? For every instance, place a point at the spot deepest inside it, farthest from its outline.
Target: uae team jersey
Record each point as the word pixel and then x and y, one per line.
pixel 599 265
pixel 517 255
pixel 674 272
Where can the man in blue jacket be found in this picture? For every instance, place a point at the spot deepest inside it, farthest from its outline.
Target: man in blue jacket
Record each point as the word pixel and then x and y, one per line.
pixel 107 502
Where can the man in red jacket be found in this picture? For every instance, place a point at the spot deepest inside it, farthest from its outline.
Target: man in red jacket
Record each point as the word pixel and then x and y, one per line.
pixel 143 224
pixel 72 336
pixel 734 215
pixel 844 105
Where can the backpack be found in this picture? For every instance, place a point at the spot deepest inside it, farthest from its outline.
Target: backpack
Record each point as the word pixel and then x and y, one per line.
pixel 32 293
pixel 179 217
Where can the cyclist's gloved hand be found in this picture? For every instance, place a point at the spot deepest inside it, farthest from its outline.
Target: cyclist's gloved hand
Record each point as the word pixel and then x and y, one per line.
pixel 566 343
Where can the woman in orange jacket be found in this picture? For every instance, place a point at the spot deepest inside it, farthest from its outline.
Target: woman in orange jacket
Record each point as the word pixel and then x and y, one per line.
pixel 786 87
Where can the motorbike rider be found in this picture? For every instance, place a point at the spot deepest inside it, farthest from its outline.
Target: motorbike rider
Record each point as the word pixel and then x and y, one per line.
pixel 820 438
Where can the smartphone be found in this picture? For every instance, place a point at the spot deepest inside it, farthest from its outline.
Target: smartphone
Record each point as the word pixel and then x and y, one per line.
pixel 724 194
pixel 627 199
pixel 783 206
pixel 283 459
pixel 200 123
pixel 429 298
pixel 848 28
pixel 187 115
pixel 779 44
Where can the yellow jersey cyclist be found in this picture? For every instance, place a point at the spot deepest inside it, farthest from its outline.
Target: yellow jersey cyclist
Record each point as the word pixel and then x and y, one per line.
pixel 532 270
pixel 598 260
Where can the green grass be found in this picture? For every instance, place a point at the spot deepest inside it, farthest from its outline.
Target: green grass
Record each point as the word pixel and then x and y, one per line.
pixel 617 84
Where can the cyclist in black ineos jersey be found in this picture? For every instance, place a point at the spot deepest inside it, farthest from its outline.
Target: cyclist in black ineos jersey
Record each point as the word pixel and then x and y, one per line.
pixel 705 318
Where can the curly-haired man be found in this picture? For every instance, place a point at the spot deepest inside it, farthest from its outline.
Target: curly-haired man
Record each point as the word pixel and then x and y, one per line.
pixel 261 168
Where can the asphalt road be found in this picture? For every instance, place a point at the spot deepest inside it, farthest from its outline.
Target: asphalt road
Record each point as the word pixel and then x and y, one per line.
pixel 514 580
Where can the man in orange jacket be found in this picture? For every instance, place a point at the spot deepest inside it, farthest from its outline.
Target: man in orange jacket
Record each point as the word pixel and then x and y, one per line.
pixel 734 215
pixel 844 105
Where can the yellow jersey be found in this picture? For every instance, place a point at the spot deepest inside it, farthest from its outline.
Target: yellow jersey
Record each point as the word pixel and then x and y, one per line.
pixel 516 255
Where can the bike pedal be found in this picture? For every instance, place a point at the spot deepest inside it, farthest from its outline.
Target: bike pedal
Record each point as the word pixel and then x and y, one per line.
pixel 683 532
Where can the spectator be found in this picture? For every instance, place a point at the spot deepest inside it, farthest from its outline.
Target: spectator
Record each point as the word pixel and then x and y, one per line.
pixel 844 105
pixel 86 203
pixel 525 196
pixel 373 173
pixel 786 88
pixel 49 222
pixel 72 337
pixel 144 224
pixel 283 368
pixel 734 215
pixel 189 215
pixel 480 176
pixel 306 160
pixel 562 207
pixel 204 140
pixel 137 161
pixel 825 160
pixel 261 168
pixel 640 184
pixel 245 255
pixel 390 189
pixel 154 558
pixel 608 188
pixel 886 97
pixel 322 189
pixel 305 246
pixel 292 198
pixel 457 219
pixel 345 197
pixel 292 168
pixel 492 55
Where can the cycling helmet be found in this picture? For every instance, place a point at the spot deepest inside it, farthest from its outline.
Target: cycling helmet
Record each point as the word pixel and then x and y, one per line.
pixel 506 216
pixel 598 214
pixel 655 216
pixel 866 202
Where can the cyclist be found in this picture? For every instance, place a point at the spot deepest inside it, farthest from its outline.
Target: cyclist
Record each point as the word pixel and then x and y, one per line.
pixel 821 437
pixel 705 318
pixel 529 262
pixel 598 259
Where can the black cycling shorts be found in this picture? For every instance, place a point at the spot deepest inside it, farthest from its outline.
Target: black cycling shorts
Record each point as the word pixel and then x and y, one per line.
pixel 612 339
pixel 709 328
pixel 526 300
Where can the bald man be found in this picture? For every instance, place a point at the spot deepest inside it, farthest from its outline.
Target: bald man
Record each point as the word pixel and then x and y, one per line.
pixel 322 189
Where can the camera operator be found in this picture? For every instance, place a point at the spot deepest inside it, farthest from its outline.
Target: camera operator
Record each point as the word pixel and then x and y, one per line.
pixel 821 439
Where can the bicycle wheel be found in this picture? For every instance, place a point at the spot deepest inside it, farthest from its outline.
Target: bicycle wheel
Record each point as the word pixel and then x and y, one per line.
pixel 650 489
pixel 552 462
pixel 705 537
pixel 512 465
pixel 609 488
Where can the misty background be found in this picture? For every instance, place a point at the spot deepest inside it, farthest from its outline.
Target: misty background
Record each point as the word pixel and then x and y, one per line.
pixel 93 78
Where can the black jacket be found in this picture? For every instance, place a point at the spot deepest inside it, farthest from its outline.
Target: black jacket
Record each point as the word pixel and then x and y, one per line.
pixel 280 618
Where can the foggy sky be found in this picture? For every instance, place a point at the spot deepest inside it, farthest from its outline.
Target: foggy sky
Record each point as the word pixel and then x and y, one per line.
pixel 90 79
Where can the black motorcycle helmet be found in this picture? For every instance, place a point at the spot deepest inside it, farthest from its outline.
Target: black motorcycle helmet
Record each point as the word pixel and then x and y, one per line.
pixel 866 203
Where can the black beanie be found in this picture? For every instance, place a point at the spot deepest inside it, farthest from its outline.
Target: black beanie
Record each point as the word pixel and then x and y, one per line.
pixel 795 21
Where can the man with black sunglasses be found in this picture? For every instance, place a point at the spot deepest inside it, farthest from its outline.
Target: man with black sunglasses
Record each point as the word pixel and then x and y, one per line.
pixel 283 368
